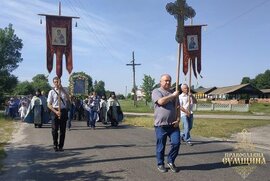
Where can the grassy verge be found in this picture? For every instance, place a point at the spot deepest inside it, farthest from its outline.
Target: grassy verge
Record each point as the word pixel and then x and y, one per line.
pixel 223 128
pixel 222 112
pixel 260 108
pixel 6 129
pixel 141 107
pixel 128 106
pixel 219 128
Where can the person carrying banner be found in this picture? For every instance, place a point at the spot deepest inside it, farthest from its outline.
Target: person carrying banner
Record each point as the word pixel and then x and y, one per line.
pixel 166 123
pixel 59 116
pixel 186 100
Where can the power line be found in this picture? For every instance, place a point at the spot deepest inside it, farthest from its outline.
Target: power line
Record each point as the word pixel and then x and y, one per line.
pixel 90 30
pixel 240 15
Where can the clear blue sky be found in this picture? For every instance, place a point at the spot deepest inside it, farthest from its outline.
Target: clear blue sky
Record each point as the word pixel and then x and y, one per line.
pixel 234 44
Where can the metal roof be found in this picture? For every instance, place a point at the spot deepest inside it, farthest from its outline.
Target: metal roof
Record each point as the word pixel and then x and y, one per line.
pixel 205 90
pixel 265 91
pixel 236 89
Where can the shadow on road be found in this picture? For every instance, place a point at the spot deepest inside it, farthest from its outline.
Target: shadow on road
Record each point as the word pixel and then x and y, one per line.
pixel 212 141
pixel 44 164
pixel 99 147
pixel 206 152
pixel 207 166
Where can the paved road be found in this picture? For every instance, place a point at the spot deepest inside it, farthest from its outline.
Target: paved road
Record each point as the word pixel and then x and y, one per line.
pixel 214 116
pixel 122 153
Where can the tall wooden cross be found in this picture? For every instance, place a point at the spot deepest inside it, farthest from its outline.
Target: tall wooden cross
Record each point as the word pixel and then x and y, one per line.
pixel 177 10
pixel 181 11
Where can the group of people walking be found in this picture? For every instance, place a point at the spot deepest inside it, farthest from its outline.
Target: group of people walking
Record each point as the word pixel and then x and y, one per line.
pixel 169 109
pixel 29 108
pixel 62 107
pixel 102 110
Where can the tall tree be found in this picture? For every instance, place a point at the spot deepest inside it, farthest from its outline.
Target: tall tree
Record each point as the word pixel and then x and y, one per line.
pixel 147 87
pixel 40 81
pixel 246 80
pixel 24 88
pixel 261 81
pixel 99 87
pixel 10 57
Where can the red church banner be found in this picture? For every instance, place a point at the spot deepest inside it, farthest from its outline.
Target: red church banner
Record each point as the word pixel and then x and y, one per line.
pixel 59 42
pixel 192 49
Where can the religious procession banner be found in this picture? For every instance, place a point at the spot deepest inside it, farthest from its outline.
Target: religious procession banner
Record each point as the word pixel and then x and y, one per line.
pixel 59 42
pixel 192 48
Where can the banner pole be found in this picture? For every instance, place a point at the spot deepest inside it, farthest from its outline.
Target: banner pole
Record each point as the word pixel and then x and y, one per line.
pixel 190 70
pixel 178 75
pixel 178 67
pixel 59 97
pixel 189 84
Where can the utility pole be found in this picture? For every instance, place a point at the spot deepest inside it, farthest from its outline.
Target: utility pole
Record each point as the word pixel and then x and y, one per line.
pixel 126 92
pixel 133 64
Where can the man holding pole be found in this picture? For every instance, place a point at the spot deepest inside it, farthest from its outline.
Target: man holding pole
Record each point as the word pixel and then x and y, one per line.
pixel 166 123
pixel 57 103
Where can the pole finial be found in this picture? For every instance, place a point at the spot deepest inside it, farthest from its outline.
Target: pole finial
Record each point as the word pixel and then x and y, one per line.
pixel 59 8
pixel 181 11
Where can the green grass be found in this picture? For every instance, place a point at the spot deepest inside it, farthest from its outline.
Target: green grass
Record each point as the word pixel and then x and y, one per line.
pixel 223 128
pixel 128 106
pixel 141 121
pixel 260 108
pixel 141 107
pixel 222 112
pixel 219 128
pixel 6 129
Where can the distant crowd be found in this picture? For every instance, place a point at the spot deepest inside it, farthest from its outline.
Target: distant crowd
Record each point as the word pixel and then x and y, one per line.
pixel 92 109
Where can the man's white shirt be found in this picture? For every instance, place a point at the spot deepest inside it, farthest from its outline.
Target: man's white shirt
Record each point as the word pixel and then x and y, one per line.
pixel 184 102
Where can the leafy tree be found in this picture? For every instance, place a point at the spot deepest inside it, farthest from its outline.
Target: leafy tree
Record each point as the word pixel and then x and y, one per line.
pixel 261 81
pixel 40 81
pixel 11 45
pixel 99 87
pixel 10 56
pixel 246 80
pixel 24 88
pixel 120 96
pixel 129 96
pixel 148 86
pixel 7 83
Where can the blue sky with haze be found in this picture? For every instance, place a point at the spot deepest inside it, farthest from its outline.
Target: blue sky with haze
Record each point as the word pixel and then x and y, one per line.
pixel 234 44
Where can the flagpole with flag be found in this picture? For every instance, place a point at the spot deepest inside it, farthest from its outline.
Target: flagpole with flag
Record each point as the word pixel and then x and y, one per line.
pixel 59 26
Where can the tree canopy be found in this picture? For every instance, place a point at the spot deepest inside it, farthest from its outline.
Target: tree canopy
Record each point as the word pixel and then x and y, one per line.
pixel 99 87
pixel 24 88
pixel 147 87
pixel 261 81
pixel 10 47
pixel 10 57
pixel 40 81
